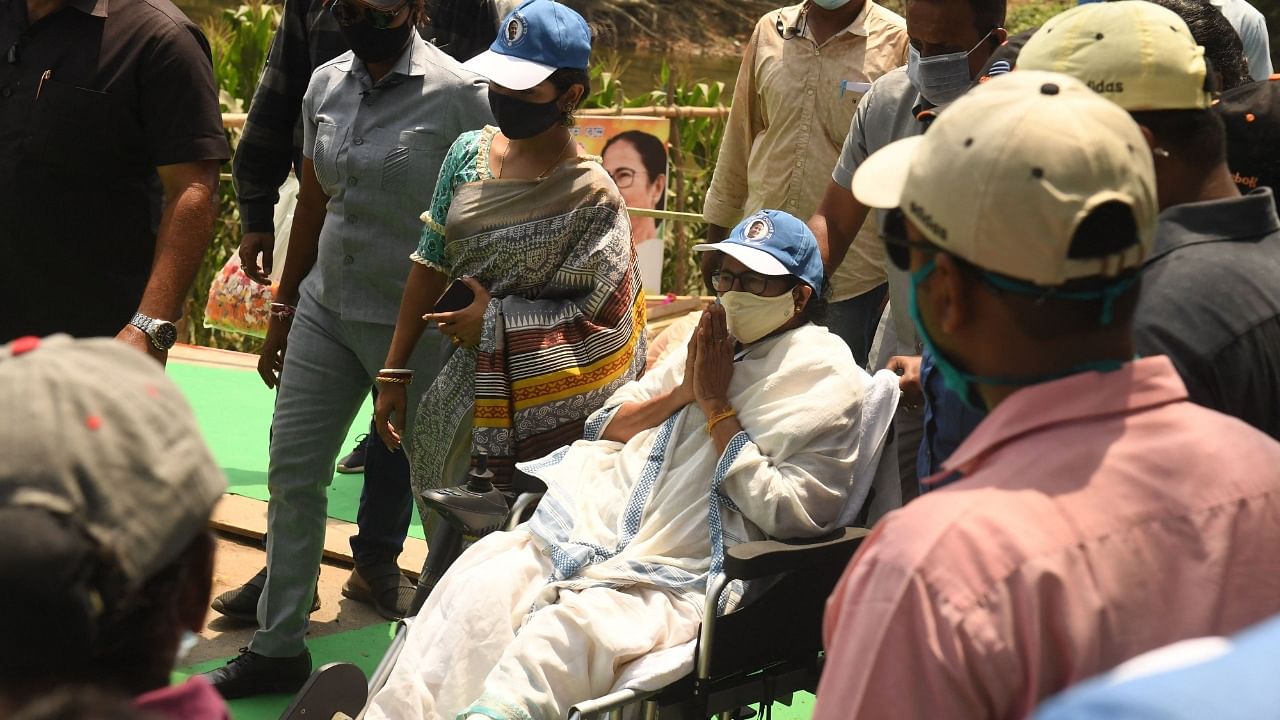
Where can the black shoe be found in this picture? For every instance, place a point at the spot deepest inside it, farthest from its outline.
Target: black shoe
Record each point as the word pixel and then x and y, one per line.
pixel 353 463
pixel 242 603
pixel 250 674
pixel 383 586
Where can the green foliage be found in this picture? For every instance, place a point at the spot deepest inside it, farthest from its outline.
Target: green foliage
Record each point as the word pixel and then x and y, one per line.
pixel 695 144
pixel 240 39
pixel 1026 16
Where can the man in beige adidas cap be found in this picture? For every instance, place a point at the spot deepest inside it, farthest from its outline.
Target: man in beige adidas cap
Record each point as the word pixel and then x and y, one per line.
pixel 106 489
pixel 1095 513
pixel 1210 298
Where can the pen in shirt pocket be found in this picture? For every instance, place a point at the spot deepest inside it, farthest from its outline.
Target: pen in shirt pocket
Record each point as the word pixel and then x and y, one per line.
pixel 44 76
pixel 853 86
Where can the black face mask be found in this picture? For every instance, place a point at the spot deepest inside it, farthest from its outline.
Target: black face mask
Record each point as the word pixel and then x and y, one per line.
pixel 519 119
pixel 373 45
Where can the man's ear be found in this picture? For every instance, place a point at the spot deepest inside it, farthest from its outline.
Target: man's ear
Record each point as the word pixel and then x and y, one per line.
pixel 1149 136
pixel 949 294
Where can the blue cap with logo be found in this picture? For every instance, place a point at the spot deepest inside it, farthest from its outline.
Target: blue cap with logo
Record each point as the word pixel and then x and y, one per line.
pixel 772 242
pixel 534 40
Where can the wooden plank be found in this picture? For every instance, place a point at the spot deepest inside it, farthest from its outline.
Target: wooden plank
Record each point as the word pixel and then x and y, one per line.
pixel 682 305
pixel 246 517
pixel 213 357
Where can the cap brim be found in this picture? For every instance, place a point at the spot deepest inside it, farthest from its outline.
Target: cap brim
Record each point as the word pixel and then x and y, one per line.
pixel 757 260
pixel 509 72
pixel 881 178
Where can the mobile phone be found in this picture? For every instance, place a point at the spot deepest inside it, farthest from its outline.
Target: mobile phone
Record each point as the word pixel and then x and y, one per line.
pixel 456 297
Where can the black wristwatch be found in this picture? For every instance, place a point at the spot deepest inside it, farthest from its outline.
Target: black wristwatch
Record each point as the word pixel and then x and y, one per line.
pixel 163 333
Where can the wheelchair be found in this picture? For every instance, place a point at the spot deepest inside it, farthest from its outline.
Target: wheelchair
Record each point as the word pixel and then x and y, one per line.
pixel 765 651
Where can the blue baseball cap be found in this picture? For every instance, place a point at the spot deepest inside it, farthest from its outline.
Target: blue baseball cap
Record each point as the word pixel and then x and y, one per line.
pixel 534 40
pixel 772 242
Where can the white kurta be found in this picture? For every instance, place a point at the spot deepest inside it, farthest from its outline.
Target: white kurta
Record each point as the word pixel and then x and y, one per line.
pixel 615 562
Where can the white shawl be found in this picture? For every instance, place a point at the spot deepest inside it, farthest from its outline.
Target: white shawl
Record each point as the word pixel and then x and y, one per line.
pixel 661 508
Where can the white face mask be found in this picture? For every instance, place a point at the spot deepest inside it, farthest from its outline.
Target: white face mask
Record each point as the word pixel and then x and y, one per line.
pixel 751 317
pixel 830 4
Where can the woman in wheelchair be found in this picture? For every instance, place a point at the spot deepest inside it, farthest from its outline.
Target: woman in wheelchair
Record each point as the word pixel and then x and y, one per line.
pixel 762 426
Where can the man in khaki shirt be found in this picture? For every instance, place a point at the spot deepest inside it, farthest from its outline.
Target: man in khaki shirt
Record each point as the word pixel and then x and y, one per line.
pixel 804 71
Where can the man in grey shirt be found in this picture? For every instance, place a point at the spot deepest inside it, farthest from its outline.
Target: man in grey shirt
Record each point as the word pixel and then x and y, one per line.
pixel 900 104
pixel 377 122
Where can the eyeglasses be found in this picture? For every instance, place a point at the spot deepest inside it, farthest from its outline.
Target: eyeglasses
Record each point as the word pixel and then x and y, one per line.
pixel 348 13
pixel 896 244
pixel 624 177
pixel 752 282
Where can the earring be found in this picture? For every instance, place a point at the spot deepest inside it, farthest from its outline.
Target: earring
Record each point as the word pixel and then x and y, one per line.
pixel 1160 152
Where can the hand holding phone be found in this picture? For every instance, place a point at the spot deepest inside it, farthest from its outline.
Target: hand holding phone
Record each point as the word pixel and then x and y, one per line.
pixel 456 297
pixel 459 313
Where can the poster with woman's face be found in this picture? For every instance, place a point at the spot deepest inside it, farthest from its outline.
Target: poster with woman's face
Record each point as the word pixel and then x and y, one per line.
pixel 634 152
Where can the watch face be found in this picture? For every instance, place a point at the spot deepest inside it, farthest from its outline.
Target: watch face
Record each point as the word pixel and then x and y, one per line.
pixel 164 334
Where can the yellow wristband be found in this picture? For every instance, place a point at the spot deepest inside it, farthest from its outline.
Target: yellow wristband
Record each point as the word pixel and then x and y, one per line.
pixel 722 415
pixel 394 380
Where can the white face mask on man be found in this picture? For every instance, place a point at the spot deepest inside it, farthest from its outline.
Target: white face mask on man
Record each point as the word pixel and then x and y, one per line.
pixel 750 317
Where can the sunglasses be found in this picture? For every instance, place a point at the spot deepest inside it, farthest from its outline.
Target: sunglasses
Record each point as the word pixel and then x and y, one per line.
pixel 348 13
pixel 897 246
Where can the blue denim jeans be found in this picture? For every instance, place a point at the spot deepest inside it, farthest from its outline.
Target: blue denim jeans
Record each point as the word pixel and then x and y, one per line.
pixel 386 503
pixel 855 321
pixel 947 420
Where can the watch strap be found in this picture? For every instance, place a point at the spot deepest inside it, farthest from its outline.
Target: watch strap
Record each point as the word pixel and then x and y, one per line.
pixel 148 325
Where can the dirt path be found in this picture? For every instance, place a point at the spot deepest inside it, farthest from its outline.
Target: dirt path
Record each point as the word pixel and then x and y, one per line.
pixel 236 562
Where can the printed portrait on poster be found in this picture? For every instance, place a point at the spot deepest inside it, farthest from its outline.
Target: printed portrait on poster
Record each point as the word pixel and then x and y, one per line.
pixel 634 152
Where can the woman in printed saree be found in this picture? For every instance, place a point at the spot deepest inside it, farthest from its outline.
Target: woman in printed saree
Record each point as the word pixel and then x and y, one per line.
pixel 761 425
pixel 539 233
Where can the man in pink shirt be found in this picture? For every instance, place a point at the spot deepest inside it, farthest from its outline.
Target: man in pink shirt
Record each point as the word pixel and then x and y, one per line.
pixel 1095 513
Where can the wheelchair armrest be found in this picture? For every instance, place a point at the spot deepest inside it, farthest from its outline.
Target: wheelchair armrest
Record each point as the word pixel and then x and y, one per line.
pixel 754 560
pixel 522 509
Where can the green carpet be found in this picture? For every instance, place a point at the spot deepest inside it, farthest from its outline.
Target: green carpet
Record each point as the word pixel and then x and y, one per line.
pixel 364 647
pixel 234 408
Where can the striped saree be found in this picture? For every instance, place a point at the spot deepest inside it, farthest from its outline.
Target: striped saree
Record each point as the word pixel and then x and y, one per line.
pixel 563 330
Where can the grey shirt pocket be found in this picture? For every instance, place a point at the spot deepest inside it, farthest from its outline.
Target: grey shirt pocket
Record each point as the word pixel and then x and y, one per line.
pixel 412 165
pixel 329 139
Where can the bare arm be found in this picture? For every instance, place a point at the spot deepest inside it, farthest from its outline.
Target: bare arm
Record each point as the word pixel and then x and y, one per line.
pixel 304 237
pixel 836 222
pixel 190 208
pixel 636 417
pixel 421 291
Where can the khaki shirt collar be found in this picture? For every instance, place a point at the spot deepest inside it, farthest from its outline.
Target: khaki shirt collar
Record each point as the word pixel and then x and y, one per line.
pixel 792 17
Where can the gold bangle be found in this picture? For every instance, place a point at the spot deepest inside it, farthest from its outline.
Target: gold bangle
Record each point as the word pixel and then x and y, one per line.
pixel 396 380
pixel 722 415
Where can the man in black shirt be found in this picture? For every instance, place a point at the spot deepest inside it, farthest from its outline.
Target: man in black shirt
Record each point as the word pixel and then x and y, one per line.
pixel 1210 298
pixel 110 142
